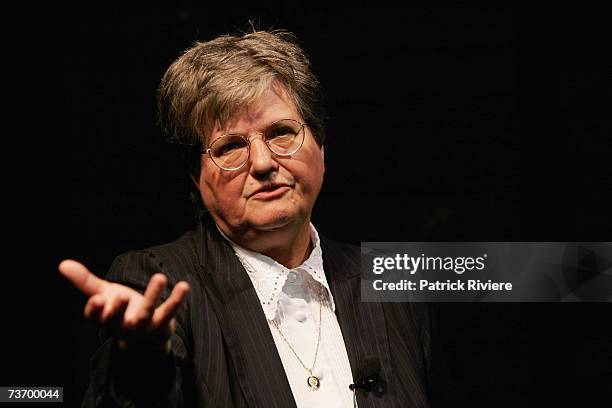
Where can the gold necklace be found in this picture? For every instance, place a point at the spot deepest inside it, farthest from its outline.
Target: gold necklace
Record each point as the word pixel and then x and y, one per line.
pixel 312 381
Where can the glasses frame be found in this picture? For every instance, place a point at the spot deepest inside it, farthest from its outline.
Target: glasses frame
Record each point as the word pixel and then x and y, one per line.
pixel 248 142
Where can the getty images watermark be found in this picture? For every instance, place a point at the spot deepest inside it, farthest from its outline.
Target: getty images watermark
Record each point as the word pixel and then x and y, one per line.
pixel 486 271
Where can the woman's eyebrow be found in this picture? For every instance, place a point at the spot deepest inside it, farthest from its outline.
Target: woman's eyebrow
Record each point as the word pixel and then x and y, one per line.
pixel 258 129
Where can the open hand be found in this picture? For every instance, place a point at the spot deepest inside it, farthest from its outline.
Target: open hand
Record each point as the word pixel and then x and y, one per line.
pixel 131 317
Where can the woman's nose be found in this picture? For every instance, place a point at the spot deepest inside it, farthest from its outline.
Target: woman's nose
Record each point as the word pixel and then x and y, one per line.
pixel 262 158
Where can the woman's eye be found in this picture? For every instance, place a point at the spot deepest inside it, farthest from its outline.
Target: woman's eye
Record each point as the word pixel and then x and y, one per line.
pixel 278 132
pixel 228 148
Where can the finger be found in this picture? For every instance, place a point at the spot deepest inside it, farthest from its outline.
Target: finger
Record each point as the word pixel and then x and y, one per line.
pixel 140 309
pixel 81 277
pixel 115 305
pixel 135 315
pixel 156 286
pixel 167 310
pixel 94 307
pixel 115 320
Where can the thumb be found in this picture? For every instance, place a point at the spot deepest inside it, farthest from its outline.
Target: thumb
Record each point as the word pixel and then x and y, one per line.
pixel 81 277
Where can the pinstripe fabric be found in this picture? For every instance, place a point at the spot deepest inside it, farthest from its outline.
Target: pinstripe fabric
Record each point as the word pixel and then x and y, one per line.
pixel 394 334
pixel 223 352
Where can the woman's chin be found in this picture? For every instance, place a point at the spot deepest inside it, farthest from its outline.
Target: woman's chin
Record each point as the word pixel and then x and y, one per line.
pixel 272 222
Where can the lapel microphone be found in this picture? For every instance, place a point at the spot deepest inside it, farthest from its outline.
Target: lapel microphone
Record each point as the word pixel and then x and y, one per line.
pixel 369 379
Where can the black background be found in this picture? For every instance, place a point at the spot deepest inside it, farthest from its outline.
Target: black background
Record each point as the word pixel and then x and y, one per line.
pixel 444 124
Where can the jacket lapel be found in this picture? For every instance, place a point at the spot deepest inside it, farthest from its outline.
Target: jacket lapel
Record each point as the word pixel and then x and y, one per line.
pixel 362 323
pixel 260 371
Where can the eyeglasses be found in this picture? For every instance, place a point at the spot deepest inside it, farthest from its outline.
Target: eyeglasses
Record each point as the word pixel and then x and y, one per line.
pixel 231 151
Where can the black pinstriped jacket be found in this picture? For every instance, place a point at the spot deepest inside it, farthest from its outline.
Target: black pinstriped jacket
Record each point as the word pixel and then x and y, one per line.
pixel 223 354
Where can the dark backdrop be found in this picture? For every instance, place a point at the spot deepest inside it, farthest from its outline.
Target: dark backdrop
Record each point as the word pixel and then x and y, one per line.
pixel 451 124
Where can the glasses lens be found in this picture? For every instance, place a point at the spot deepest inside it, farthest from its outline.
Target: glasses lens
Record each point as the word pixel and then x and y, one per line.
pixel 285 137
pixel 229 152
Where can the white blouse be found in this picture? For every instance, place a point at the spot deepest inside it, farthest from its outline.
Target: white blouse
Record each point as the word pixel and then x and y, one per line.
pixel 292 299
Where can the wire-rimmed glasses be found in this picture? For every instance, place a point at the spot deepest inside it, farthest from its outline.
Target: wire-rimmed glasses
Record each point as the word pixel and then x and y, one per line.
pixel 231 151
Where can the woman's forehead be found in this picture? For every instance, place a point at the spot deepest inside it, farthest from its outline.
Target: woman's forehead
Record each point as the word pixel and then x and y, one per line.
pixel 271 106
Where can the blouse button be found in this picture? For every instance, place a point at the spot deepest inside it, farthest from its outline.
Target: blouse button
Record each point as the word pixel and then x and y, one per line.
pixel 300 316
pixel 291 277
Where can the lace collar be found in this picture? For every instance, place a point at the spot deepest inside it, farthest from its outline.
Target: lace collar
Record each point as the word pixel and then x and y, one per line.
pixel 269 277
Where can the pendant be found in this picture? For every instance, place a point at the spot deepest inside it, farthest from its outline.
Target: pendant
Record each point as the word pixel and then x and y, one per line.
pixel 313 382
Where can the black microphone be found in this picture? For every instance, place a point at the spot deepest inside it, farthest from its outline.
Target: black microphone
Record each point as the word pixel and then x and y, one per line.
pixel 369 379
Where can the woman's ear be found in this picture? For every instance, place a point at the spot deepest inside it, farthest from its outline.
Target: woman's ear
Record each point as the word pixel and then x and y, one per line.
pixel 323 157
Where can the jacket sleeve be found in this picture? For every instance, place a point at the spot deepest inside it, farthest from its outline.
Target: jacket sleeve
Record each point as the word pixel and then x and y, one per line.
pixel 136 377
